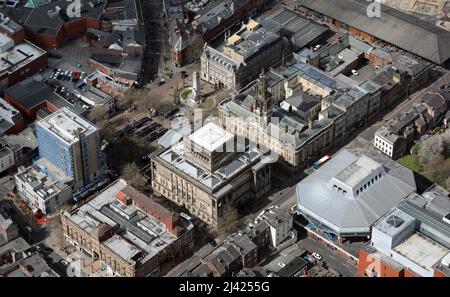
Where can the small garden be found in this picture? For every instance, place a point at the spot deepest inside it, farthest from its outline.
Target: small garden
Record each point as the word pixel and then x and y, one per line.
pixel 431 159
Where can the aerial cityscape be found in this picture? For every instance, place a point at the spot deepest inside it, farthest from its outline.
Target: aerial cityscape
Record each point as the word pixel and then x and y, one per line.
pixel 221 138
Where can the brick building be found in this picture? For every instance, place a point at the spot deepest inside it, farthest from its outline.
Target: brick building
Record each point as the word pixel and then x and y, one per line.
pixel 33 94
pixel 19 60
pixel 128 232
pixel 411 240
pixel 48 25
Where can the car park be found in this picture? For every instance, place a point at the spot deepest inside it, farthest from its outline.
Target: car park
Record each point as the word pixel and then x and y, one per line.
pixel 171 113
pixel 142 122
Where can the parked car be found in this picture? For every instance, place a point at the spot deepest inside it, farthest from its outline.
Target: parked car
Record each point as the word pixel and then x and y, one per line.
pixel 171 113
pixel 354 72
pixel 64 263
pixel 213 242
pixel 316 256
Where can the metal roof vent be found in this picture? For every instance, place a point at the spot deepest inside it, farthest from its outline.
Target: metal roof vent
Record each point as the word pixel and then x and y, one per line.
pixel 395 221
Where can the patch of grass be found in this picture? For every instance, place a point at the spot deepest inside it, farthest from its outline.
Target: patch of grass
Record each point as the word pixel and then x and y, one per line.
pixel 412 162
pixel 185 93
pixel 415 149
pixel 206 104
pixel 167 73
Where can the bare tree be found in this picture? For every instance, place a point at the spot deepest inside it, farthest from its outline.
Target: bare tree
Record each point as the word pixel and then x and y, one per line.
pixel 438 169
pixel 97 115
pixel 131 174
pixel 195 48
pixel 145 102
pixel 431 147
pixel 125 101
pixel 229 221
pixel 221 95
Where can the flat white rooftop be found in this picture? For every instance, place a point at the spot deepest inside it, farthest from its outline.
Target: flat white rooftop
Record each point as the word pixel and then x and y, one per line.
pixel 67 125
pixel 422 251
pixel 211 136
pixel 19 55
pixel 122 247
pixel 358 171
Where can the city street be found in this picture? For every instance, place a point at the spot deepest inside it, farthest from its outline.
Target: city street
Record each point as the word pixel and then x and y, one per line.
pixel 364 138
pixel 330 257
pixel 156 38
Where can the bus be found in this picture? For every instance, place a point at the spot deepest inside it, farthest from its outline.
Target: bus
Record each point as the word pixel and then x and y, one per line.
pixel 186 217
pixel 321 161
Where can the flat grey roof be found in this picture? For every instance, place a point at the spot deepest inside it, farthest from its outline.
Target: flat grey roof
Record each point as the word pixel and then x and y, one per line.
pixel 253 42
pixel 143 236
pixel 38 20
pixel 400 29
pixel 346 213
pixel 300 30
pixel 210 179
pixel 32 92
pixel 422 251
